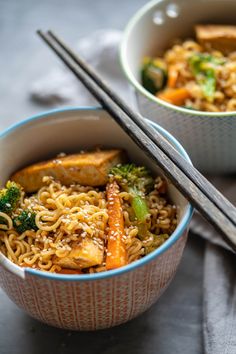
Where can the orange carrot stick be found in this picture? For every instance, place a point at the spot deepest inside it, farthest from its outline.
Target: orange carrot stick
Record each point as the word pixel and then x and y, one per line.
pixel 176 96
pixel 172 76
pixel 116 253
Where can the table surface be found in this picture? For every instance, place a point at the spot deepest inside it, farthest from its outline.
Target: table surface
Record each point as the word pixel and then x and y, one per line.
pixel 174 323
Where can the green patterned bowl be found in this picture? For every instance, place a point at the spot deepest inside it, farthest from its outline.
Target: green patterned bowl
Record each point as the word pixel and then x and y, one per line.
pixel 209 138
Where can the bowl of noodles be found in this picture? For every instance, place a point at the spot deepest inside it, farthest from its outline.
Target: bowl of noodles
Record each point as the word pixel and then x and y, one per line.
pixel 180 58
pixel 91 231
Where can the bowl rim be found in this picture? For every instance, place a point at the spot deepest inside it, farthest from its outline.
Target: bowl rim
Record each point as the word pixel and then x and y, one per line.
pixel 178 232
pixel 129 75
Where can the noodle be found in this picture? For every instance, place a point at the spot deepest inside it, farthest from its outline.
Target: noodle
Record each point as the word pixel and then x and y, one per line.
pixel 65 215
pixel 224 70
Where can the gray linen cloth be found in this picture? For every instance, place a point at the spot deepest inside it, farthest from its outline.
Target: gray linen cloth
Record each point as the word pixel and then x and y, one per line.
pixel 219 288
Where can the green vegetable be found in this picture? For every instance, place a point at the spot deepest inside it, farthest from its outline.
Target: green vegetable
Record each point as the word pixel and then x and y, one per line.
pixel 198 61
pixel 153 76
pixel 209 84
pixel 25 221
pixel 137 181
pixel 3 221
pixel 203 68
pixel 9 197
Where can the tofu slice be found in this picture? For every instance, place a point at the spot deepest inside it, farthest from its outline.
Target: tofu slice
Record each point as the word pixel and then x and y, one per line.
pixel 84 254
pixel 88 169
pixel 219 37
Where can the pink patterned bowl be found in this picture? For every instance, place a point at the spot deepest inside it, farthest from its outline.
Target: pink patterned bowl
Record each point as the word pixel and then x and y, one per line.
pixel 93 301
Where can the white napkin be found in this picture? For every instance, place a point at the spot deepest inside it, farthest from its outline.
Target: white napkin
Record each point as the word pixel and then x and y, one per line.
pixel 60 87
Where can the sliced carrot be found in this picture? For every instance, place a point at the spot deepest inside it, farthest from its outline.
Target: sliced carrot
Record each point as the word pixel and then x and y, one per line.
pixel 172 76
pixel 25 265
pixel 116 252
pixel 175 96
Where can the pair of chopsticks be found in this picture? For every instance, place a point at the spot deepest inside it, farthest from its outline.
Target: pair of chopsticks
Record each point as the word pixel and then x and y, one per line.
pixel 193 185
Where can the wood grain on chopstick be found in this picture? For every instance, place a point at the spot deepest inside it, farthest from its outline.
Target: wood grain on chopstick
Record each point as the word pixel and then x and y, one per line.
pixel 217 209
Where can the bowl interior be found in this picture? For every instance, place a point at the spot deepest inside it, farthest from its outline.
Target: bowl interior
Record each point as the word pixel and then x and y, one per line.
pixel 69 131
pixel 156 25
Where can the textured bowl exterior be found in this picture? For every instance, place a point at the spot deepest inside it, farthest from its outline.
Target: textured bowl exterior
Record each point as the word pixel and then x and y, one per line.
pixel 210 141
pixel 95 304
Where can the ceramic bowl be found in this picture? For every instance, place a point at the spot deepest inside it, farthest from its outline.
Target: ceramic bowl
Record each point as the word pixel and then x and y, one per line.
pixel 209 138
pixel 92 301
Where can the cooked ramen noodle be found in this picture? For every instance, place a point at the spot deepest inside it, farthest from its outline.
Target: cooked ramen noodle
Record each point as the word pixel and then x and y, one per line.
pixel 196 74
pixel 82 228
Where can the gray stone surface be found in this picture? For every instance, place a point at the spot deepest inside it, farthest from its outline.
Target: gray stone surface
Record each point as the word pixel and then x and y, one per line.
pixel 174 323
pixel 24 58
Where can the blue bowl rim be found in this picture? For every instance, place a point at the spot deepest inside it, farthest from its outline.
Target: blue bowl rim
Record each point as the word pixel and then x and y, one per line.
pixel 137 85
pixel 179 231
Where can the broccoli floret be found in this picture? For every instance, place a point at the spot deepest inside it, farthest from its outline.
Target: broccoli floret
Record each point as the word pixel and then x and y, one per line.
pixel 25 221
pixel 137 181
pixel 9 197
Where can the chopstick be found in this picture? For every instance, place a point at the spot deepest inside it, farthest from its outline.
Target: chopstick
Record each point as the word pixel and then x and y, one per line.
pixel 197 189
pixel 193 173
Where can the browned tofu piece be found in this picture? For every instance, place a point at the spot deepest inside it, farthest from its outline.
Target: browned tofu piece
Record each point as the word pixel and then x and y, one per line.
pixel 84 254
pixel 89 169
pixel 219 37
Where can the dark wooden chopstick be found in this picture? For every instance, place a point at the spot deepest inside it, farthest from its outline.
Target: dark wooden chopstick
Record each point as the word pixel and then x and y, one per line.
pixel 216 213
pixel 208 189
